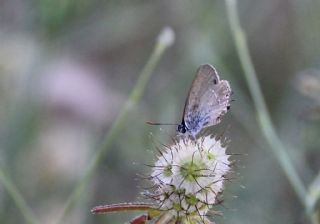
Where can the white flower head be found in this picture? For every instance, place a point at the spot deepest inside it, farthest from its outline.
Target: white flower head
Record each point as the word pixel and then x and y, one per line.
pixel 190 175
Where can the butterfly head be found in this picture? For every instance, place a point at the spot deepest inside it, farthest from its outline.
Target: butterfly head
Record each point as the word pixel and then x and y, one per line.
pixel 182 128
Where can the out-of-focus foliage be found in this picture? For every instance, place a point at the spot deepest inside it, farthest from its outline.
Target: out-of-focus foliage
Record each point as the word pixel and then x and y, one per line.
pixel 67 66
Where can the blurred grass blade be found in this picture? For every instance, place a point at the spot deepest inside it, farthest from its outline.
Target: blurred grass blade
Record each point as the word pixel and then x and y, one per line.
pixel 314 192
pixel 264 118
pixel 165 40
pixel 17 198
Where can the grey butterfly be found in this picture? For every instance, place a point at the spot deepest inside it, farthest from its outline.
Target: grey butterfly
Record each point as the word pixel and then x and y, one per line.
pixel 208 100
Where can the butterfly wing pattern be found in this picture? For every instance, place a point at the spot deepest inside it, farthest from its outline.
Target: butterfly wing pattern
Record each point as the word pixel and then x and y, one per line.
pixel 208 100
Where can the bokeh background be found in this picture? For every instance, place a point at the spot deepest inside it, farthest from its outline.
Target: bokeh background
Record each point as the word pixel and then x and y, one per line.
pixel 67 67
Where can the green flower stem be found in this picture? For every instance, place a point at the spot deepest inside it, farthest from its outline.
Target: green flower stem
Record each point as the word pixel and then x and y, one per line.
pixel 165 40
pixel 17 198
pixel 263 115
pixel 125 207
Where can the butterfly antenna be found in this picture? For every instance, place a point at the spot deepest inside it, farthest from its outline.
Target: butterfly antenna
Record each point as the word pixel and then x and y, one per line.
pixel 155 123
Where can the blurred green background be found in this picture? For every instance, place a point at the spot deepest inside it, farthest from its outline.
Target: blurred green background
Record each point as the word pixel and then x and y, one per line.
pixel 67 67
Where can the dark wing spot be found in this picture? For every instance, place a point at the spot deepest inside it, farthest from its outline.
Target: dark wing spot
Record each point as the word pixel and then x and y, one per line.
pixel 228 107
pixel 215 81
pixel 195 107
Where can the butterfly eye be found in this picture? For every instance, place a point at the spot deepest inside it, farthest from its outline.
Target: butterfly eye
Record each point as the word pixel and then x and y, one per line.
pixel 228 107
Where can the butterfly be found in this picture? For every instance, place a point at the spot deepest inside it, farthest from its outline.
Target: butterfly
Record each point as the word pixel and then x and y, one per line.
pixel 207 101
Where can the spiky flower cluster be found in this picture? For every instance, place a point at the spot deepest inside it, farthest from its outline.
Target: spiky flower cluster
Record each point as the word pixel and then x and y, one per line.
pixel 189 177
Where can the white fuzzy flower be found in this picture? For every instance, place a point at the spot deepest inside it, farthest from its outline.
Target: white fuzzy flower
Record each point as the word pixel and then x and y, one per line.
pixel 190 174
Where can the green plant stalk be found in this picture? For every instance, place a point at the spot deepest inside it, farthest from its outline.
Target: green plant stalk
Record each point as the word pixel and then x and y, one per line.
pixel 263 115
pixel 314 192
pixel 17 198
pixel 132 100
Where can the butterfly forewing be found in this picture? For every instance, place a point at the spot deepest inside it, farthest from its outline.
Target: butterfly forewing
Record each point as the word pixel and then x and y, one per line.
pixel 208 100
